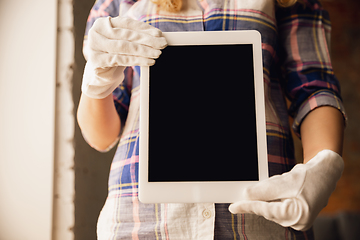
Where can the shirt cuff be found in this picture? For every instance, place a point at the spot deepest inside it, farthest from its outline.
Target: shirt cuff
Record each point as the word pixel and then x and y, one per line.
pixel 318 99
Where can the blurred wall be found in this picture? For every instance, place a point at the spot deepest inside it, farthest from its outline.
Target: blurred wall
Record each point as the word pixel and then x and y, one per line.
pixel 91 167
pixel 27 110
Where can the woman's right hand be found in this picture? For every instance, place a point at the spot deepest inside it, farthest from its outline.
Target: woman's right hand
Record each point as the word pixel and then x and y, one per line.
pixel 113 44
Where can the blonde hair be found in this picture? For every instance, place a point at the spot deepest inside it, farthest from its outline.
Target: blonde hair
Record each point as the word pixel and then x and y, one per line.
pixel 175 5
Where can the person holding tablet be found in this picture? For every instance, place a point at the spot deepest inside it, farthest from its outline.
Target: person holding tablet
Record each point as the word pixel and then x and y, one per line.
pixel 124 34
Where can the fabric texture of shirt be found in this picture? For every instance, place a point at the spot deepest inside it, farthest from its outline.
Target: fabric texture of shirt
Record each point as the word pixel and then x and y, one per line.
pixel 296 66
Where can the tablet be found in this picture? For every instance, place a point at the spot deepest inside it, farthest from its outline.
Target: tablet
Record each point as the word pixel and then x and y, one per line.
pixel 202 119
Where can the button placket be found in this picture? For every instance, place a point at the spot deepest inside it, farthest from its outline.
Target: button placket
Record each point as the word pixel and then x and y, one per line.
pixel 206 221
pixel 206 213
pixel 203 5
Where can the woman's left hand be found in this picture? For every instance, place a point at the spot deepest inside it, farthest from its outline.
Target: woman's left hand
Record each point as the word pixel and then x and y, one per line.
pixel 294 199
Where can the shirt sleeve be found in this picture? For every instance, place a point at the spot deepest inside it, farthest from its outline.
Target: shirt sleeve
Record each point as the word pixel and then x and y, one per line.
pixel 309 80
pixel 105 8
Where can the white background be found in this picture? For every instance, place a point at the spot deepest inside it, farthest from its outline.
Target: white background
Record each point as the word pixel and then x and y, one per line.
pixel 27 104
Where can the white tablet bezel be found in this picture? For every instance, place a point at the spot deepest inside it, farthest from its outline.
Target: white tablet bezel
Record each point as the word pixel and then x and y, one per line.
pixel 195 192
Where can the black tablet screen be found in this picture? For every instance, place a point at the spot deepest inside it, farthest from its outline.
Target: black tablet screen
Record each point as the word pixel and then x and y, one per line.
pixel 202 123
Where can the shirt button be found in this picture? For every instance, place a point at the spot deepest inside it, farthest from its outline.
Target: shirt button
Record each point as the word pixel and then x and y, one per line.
pixel 206 213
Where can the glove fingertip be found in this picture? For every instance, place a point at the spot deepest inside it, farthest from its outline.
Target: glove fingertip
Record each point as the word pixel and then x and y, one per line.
pixel 156 32
pixel 232 209
pixel 163 43
pixel 150 62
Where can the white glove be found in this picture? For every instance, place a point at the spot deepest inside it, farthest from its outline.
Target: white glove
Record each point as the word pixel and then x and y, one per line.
pixel 294 199
pixel 113 44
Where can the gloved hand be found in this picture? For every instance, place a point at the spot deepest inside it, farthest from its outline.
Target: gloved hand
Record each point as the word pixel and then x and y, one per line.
pixel 113 44
pixel 294 199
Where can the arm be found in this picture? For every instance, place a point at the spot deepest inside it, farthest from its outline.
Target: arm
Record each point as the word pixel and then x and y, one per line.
pixel 99 121
pixel 113 44
pixel 323 128
pixel 295 198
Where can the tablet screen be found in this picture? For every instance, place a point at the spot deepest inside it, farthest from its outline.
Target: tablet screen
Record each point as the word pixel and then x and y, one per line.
pixel 202 118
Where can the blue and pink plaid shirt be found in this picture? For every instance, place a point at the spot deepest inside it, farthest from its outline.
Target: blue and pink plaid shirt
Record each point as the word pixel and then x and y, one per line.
pixel 296 66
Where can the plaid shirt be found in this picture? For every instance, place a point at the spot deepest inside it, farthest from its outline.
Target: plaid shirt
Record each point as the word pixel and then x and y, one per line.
pixel 296 64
